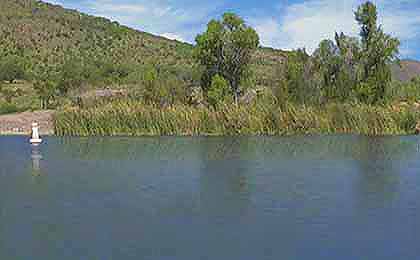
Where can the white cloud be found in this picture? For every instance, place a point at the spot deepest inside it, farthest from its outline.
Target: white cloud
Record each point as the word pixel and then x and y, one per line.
pixel 166 18
pixel 269 31
pixel 173 36
pixel 120 8
pixel 306 24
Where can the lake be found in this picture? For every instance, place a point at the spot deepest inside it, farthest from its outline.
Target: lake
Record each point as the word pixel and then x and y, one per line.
pixel 317 197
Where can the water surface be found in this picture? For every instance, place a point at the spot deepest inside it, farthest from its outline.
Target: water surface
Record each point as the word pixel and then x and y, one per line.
pixel 339 197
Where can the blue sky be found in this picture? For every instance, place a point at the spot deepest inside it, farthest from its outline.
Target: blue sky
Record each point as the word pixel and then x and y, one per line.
pixel 285 24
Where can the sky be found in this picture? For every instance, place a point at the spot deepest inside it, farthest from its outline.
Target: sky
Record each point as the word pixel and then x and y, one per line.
pixel 283 24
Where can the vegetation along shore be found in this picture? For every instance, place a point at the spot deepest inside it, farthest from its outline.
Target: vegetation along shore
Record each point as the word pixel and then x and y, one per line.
pixel 96 77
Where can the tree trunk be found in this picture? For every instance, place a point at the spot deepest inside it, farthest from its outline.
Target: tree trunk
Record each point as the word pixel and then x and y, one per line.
pixel 236 98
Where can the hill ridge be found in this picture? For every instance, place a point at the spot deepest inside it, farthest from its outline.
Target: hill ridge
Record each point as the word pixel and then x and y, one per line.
pixel 46 33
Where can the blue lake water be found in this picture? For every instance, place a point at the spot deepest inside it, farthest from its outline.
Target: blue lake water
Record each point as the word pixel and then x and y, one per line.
pixel 319 197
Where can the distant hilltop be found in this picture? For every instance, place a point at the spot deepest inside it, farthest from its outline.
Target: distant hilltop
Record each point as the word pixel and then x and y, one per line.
pixel 408 70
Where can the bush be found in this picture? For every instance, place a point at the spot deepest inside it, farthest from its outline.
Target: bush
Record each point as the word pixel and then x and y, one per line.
pixel 404 91
pixel 7 108
pixel 218 92
pixel 11 68
pixel 163 89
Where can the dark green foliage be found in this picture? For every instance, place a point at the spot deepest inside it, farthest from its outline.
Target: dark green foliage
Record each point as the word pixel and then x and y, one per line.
pixel 379 51
pixel 71 76
pixel 346 69
pixel 46 85
pixel 11 68
pixel 226 49
pixel 8 108
pixel 301 84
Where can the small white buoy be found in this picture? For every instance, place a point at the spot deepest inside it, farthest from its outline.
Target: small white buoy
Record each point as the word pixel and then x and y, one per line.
pixel 35 139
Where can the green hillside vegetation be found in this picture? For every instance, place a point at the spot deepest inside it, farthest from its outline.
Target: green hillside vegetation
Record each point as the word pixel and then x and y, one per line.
pixel 51 57
pixel 75 52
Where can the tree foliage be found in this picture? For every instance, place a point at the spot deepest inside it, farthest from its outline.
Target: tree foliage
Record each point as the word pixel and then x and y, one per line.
pixel 71 76
pixel 379 51
pixel 46 86
pixel 347 68
pixel 226 49
pixel 11 68
pixel 219 91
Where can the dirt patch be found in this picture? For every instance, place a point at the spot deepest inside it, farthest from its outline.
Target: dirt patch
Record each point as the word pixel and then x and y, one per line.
pixel 20 123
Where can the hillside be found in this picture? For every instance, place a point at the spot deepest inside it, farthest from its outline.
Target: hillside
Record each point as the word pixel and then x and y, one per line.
pixel 46 34
pixel 408 70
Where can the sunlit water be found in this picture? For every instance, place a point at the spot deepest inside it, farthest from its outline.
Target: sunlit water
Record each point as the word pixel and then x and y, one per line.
pixel 342 197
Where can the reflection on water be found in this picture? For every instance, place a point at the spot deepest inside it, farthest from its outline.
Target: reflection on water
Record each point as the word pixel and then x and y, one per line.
pixel 224 170
pixel 36 157
pixel 379 177
pixel 338 197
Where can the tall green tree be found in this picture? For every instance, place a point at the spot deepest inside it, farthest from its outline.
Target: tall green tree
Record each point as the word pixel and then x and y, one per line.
pixel 226 49
pixel 327 60
pixel 379 51
pixel 337 64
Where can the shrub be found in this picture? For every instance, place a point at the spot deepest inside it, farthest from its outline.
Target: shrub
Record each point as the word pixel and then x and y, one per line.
pixel 8 108
pixel 218 92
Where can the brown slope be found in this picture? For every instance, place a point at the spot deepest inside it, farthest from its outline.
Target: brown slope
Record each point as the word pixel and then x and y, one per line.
pixel 408 70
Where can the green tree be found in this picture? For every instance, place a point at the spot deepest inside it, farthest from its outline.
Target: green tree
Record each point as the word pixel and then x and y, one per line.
pixel 11 68
pixel 72 75
pixel 338 64
pixel 301 81
pixel 379 51
pixel 226 49
pixel 46 85
pixel 46 90
pixel 218 91
pixel 327 60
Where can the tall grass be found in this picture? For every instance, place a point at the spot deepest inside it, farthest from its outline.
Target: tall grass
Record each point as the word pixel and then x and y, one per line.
pixel 135 119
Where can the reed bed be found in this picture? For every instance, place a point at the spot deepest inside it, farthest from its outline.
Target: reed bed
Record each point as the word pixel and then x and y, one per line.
pixel 135 119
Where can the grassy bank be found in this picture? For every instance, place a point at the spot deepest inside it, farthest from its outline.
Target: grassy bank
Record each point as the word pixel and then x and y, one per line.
pixel 134 119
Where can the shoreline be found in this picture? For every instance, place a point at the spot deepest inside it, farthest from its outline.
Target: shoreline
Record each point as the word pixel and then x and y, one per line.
pixel 137 120
pixel 20 123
